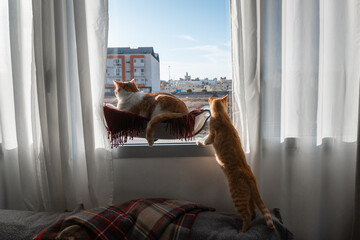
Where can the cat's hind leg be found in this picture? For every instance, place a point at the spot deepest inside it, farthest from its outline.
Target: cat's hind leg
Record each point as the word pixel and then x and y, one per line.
pixel 246 217
pixel 153 123
pixel 241 198
pixel 252 209
pixel 150 135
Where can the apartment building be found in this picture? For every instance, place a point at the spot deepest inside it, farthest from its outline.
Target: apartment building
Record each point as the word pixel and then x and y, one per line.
pixel 125 64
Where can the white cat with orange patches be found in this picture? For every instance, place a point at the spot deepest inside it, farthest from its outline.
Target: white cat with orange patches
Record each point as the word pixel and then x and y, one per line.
pixel 157 107
pixel 231 157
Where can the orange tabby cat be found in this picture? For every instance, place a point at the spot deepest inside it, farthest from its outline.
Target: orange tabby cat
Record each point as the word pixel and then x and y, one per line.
pixel 155 106
pixel 231 157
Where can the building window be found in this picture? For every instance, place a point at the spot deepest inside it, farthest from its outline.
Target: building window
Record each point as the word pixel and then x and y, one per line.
pixel 117 62
pixel 142 60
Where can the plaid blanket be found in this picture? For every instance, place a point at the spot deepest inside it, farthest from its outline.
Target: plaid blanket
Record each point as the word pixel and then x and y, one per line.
pixel 136 219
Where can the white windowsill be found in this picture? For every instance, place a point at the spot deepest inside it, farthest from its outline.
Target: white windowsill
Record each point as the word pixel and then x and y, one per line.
pixel 162 150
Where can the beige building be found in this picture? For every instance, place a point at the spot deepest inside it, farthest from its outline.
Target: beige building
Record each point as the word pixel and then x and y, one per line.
pixel 141 64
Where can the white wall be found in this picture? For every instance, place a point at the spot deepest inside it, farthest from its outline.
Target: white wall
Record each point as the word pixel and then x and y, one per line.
pixel 155 74
pixel 197 179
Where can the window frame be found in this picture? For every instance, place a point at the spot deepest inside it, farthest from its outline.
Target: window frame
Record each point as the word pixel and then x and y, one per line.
pixel 142 150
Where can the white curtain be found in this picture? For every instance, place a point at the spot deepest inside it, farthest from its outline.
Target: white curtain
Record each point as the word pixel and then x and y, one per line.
pixel 53 144
pixel 296 92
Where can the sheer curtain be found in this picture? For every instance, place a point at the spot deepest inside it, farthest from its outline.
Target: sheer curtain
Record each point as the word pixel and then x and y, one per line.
pixel 296 94
pixel 52 139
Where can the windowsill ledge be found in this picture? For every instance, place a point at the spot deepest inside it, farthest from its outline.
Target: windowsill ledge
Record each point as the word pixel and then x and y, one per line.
pixel 161 150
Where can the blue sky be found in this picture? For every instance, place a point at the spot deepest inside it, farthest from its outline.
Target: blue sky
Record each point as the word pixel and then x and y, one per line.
pixel 189 35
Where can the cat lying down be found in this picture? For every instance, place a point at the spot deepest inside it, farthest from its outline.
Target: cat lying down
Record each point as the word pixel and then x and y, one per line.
pixel 157 107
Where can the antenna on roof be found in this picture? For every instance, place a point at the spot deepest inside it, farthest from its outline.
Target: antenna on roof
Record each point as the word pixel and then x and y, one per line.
pixel 169 72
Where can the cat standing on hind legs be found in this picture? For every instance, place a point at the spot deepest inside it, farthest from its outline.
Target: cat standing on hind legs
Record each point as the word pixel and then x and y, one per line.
pixel 231 157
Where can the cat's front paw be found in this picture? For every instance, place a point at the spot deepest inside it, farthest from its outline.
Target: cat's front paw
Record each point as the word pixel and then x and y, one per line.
pixel 199 143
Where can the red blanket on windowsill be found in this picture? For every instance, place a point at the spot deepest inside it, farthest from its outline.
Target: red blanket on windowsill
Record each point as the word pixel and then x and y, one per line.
pixel 123 125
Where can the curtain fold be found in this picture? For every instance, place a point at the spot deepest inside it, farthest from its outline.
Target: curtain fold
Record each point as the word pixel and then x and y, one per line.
pixel 300 63
pixel 54 152
pixel 245 59
pixel 300 133
pixel 356 222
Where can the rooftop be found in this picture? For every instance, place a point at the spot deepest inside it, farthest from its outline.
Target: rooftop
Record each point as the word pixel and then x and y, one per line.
pixel 139 50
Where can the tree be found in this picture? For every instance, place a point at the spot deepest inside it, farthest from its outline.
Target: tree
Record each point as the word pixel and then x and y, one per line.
pixel 189 90
pixel 204 90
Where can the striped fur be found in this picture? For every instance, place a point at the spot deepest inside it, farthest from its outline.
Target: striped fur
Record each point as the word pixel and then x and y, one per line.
pixel 231 157
pixel 157 107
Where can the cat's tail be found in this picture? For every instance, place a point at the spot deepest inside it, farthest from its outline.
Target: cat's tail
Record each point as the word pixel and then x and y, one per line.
pixel 152 125
pixel 259 202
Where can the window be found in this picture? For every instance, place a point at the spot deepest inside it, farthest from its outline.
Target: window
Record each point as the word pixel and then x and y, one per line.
pixel 117 62
pixel 189 51
pixel 109 81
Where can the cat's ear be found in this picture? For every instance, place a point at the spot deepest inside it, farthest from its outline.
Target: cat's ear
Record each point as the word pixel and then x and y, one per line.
pixel 132 81
pixel 116 83
pixel 210 99
pixel 225 98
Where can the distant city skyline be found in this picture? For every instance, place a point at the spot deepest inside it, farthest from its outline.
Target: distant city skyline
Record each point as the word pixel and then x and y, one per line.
pixel 190 36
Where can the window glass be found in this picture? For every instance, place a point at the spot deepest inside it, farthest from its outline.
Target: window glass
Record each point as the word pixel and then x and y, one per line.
pixel 187 49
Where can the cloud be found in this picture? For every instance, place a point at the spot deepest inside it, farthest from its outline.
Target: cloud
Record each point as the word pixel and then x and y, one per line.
pixel 199 60
pixel 186 37
pixel 212 52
